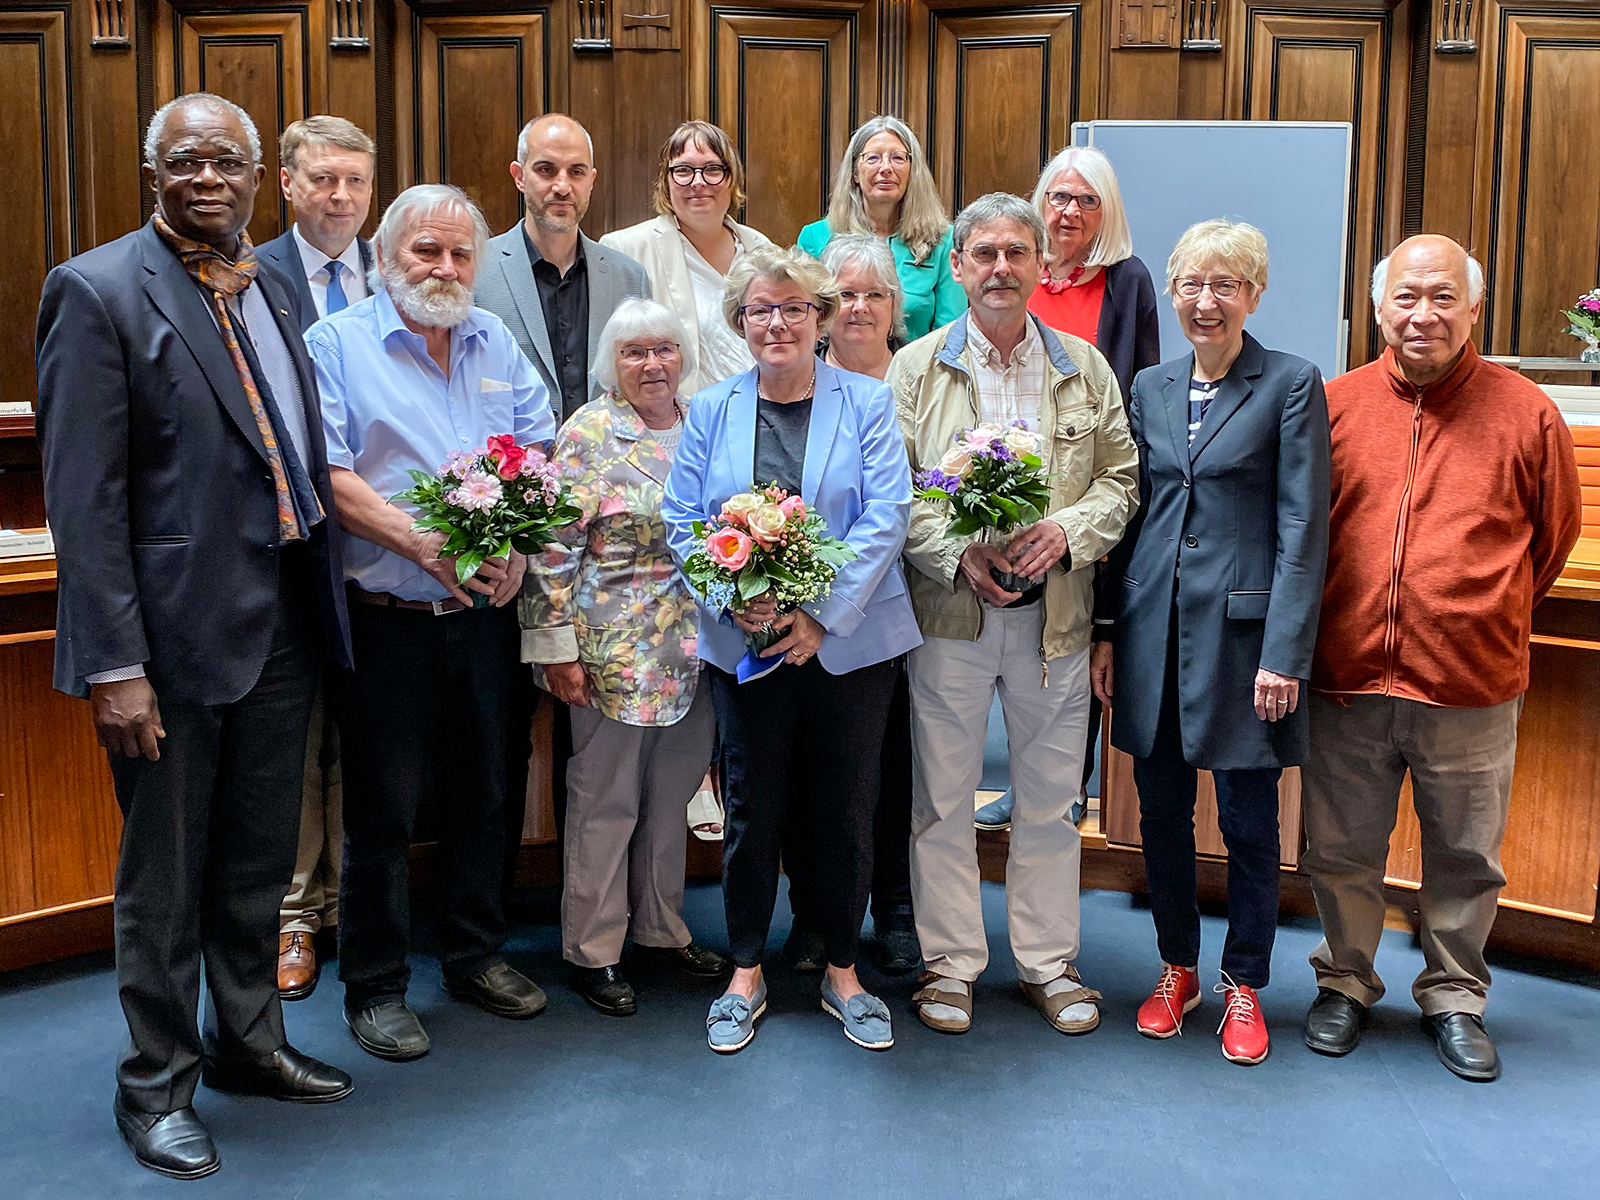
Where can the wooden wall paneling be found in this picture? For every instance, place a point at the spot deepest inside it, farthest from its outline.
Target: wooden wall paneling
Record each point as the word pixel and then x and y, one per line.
pixel 106 129
pixel 630 101
pixel 477 81
pixel 353 84
pixel 36 159
pixel 1001 89
pixel 1450 150
pixel 1537 202
pixel 787 85
pixel 1348 62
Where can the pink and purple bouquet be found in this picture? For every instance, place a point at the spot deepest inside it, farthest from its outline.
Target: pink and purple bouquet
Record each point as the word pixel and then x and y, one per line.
pixel 491 501
pixel 1583 318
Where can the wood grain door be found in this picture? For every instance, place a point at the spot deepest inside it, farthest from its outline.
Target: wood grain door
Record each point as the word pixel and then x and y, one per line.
pixel 786 86
pixel 1336 62
pixel 1000 90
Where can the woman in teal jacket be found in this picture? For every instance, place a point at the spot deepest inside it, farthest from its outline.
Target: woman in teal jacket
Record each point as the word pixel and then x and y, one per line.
pixel 883 186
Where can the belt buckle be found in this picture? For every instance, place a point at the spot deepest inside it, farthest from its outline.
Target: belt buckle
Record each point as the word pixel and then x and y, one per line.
pixel 438 607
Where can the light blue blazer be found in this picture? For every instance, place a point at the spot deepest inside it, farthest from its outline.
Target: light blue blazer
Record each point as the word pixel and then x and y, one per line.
pixel 856 476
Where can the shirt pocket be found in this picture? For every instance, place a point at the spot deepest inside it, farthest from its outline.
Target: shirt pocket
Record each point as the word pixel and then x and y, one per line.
pixel 496 410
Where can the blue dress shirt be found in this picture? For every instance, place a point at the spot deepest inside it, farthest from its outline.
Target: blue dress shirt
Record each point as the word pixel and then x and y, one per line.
pixel 387 409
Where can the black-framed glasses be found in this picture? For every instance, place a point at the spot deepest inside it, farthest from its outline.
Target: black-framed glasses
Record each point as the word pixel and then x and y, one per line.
pixel 793 312
pixel 1087 201
pixel 712 174
pixel 898 159
pixel 1222 289
pixel 635 355
pixel 187 166
pixel 986 255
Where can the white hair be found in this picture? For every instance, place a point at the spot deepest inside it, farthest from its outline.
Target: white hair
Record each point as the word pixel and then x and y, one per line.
pixel 638 318
pixel 871 253
pixel 414 203
pixel 158 123
pixel 1114 242
pixel 522 138
pixel 1380 280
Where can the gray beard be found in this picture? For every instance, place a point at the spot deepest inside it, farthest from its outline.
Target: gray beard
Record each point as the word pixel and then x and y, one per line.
pixel 442 304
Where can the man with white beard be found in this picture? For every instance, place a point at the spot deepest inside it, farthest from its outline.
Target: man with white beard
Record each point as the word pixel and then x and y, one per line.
pixel 408 376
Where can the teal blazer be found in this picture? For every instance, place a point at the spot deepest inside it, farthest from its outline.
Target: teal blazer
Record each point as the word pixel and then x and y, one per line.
pixel 932 296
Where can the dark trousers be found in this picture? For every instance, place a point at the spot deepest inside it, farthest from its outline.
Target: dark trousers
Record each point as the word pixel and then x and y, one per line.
pixel 425 712
pixel 1247 811
pixel 209 836
pixel 800 741
pixel 891 826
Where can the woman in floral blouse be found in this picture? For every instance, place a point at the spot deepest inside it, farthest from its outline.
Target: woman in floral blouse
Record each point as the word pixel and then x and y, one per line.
pixel 612 629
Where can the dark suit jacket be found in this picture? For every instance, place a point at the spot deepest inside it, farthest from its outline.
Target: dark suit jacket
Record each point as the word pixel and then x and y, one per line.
pixel 282 254
pixel 1129 331
pixel 1244 513
pixel 156 480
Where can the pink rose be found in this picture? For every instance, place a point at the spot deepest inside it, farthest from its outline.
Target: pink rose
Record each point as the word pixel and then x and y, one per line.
pixel 511 461
pixel 794 508
pixel 766 525
pixel 729 548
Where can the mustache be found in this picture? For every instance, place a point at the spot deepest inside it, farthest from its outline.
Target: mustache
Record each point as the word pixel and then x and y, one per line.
pixel 996 282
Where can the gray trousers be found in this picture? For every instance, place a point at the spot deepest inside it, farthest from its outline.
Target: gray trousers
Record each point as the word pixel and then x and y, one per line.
pixel 627 789
pixel 1460 761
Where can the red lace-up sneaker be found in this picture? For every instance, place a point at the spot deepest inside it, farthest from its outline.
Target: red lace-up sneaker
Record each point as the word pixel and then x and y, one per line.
pixel 1243 1028
pixel 1178 992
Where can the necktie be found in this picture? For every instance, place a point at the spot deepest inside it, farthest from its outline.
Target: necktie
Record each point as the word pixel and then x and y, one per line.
pixel 336 297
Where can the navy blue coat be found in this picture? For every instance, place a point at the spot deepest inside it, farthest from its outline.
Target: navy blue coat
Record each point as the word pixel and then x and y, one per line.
pixel 1129 331
pixel 1244 513
pixel 282 255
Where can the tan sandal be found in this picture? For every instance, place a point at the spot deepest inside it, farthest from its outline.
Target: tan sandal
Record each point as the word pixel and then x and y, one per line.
pixel 927 995
pixel 1053 1006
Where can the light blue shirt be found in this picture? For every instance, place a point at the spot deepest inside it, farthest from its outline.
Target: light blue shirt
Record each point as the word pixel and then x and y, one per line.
pixel 387 409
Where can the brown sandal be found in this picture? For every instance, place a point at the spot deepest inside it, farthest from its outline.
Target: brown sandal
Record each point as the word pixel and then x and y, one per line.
pixel 927 995
pixel 1053 1006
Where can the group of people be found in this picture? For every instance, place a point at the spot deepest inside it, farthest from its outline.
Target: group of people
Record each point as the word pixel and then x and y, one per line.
pixel 1252 569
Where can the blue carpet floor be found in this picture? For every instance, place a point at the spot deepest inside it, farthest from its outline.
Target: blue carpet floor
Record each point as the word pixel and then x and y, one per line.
pixel 576 1104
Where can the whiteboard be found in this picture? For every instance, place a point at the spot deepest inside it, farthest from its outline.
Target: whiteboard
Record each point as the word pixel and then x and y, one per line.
pixel 1290 179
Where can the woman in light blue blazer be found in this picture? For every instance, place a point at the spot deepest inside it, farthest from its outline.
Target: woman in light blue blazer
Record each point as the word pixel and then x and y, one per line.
pixel 808 733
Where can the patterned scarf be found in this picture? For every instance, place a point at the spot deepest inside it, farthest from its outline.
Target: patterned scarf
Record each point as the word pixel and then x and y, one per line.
pixel 222 278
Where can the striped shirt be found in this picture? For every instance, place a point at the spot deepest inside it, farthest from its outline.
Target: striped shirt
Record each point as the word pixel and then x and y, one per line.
pixel 1201 394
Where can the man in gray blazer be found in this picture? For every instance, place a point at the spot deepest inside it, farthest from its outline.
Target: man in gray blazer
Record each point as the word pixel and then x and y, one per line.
pixel 554 287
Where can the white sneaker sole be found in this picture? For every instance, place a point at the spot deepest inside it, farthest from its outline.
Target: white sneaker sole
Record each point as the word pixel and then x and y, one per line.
pixel 837 1015
pixel 1247 1062
pixel 1189 1006
pixel 750 1037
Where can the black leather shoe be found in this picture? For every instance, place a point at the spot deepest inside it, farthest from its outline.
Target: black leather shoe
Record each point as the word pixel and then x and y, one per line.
pixel 501 990
pixel 693 959
pixel 1464 1045
pixel 173 1144
pixel 389 1030
pixel 1333 1025
pixel 605 989
pixel 898 950
pixel 287 1075
pixel 804 949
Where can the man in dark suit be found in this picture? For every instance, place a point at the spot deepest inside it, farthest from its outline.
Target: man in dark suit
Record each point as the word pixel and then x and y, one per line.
pixel 187 484
pixel 327 170
pixel 326 175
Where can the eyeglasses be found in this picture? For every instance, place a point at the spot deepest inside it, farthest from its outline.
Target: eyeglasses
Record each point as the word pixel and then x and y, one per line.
pixel 1222 289
pixel 636 355
pixel 712 174
pixel 898 160
pixel 1087 201
pixel 846 299
pixel 793 313
pixel 986 255
pixel 187 166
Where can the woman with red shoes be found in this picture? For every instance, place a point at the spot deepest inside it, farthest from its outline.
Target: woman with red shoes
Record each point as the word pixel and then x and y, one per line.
pixel 1210 609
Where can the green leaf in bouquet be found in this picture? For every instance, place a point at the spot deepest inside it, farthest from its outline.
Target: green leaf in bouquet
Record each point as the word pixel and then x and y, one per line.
pixel 699 528
pixel 458 541
pixel 1009 510
pixel 963 526
pixel 835 553
pixel 752 582
pixel 467 565
pixel 1027 513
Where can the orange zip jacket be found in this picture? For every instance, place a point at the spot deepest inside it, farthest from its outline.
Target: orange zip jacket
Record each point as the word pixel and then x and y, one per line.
pixel 1454 508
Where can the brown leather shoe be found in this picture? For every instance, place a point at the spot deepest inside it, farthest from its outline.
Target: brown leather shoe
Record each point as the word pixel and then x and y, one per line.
pixel 297 966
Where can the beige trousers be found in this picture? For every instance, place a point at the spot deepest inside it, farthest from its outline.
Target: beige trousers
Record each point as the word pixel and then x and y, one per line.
pixel 1460 761
pixel 627 789
pixel 952 686
pixel 313 899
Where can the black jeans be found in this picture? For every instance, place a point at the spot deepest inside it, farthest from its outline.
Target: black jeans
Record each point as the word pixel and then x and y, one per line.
pixel 800 741
pixel 209 836
pixel 891 826
pixel 425 712
pixel 1247 811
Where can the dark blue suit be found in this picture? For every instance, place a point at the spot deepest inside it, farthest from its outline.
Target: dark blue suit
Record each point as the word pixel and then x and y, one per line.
pixel 282 254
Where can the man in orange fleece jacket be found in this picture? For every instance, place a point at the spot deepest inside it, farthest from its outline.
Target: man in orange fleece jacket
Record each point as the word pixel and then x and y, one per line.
pixel 1455 503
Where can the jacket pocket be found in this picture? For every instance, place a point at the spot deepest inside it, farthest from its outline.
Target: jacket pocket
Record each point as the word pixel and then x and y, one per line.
pixel 167 540
pixel 1248 606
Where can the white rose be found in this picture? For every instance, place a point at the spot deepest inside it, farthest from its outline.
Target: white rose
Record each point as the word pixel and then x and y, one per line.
pixel 957 462
pixel 1021 441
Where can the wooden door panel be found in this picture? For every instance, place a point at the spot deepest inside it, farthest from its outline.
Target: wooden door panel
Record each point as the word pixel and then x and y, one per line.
pixel 1343 62
pixel 37 165
pixel 479 80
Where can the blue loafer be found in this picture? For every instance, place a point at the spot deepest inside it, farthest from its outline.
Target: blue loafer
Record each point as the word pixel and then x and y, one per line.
pixel 865 1018
pixel 996 814
pixel 731 1023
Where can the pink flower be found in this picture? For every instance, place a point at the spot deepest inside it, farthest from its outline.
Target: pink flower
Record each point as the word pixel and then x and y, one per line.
pixel 1590 304
pixel 793 508
pixel 729 548
pixel 611 506
pixel 510 462
pixel 478 493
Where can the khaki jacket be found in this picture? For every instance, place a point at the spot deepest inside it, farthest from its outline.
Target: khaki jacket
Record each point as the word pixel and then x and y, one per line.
pixel 1092 461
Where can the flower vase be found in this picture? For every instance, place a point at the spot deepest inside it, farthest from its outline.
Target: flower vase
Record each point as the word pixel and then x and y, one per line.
pixel 1007 580
pixel 1591 352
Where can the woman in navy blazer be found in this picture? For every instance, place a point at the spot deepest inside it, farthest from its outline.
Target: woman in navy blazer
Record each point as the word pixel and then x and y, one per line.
pixel 1211 605
pixel 808 733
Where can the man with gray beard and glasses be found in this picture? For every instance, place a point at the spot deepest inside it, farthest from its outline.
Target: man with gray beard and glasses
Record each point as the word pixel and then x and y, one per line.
pixel 409 375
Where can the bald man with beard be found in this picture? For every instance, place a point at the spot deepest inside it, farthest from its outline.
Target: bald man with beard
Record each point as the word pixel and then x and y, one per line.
pixel 1455 502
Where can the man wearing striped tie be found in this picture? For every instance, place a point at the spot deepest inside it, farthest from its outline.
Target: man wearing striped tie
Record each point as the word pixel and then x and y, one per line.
pixel 326 174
